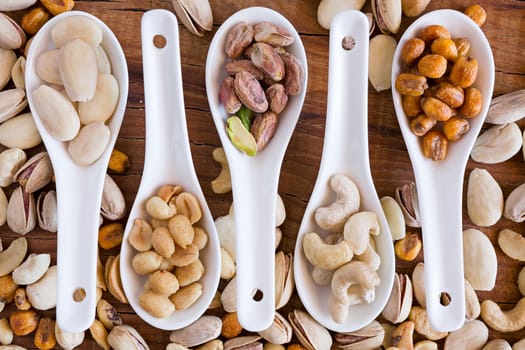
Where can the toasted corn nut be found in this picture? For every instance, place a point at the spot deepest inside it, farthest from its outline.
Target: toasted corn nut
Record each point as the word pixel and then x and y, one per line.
pixel 118 161
pixel 100 334
pixel 436 109
pixel 411 105
pixel 477 14
pixel 422 124
pixel 45 334
pixel 110 235
pixel 295 347
pixel 411 84
pixel 186 296
pixel 181 230
pixel 163 282
pixel 140 236
pixel 446 48
pixel 23 322
pixel 58 6
pixel 33 20
pixel 230 325
pixel 7 289
pixel 473 102
pixel 435 145
pixel 21 301
pixel 432 66
pixel 412 50
pixel 107 314
pixel 455 128
pixel 408 247
pixel 464 72
pixel 451 94
pixel 432 32
pixel 188 205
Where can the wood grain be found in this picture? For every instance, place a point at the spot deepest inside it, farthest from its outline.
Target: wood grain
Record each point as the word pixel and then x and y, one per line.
pixel 505 29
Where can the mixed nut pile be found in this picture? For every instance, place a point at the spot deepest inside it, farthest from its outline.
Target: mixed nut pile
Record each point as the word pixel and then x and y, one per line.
pixel 261 76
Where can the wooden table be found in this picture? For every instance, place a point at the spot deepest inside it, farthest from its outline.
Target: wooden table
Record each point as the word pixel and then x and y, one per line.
pixel 505 29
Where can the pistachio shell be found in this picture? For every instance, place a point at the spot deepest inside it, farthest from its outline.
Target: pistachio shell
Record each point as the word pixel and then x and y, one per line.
pixel 10 161
pixel 507 108
pixel 57 113
pixel 78 70
pixel 47 67
pixel 13 37
pixel 12 102
pixel 406 197
pixel 103 104
pixel 113 205
pixel 89 144
pixel 497 144
pixel 21 211
pixel 387 14
pixel 199 332
pixel 368 337
pixel 310 333
pixel 7 61
pixel 36 173
pixel 400 301
pixel 124 337
pixel 20 132
pixel 515 204
pixel 3 211
pixel 46 211
pixel 18 72
pixel 76 27
pixel 280 332
pixel 284 281
pixel 15 5
pixel 200 12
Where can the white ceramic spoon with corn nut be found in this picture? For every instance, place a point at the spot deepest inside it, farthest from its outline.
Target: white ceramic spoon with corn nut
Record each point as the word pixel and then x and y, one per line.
pixel 345 151
pixel 79 188
pixel 167 160
pixel 440 183
pixel 254 179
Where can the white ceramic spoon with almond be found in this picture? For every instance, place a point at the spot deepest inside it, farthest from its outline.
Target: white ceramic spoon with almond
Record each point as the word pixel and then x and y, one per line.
pixel 440 183
pixel 345 151
pixel 79 188
pixel 254 179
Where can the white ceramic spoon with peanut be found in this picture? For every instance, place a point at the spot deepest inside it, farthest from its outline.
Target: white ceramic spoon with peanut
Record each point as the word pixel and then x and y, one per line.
pixel 345 151
pixel 79 188
pixel 440 183
pixel 167 160
pixel 254 179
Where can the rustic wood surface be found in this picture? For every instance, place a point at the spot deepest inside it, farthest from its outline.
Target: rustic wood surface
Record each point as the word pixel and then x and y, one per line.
pixel 505 29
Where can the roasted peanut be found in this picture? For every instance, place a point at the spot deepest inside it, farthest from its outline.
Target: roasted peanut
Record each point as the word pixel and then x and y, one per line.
pixel 455 127
pixel 181 230
pixel 186 296
pixel 411 105
pixel 33 20
pixel 464 72
pixel 435 145
pixel 412 50
pixel 188 205
pixel 411 84
pixel 21 301
pixel 436 109
pixel 446 48
pixel 23 322
pixel 432 32
pixel 146 262
pixel 162 242
pixel 58 6
pixel 45 334
pixel 184 256
pixel 473 103
pixel 477 14
pixel 189 273
pixel 422 124
pixel 200 238
pixel 432 66
pixel 156 304
pixel 163 282
pixel 449 93
pixel 230 325
pixel 462 46
pixel 408 247
pixel 110 235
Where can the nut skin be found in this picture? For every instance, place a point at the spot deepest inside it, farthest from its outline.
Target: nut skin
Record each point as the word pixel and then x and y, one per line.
pixel 449 93
pixel 411 105
pixel 411 84
pixel 237 66
pixel 263 128
pixel 238 39
pixel 464 72
pixel 435 145
pixel 227 96
pixel 455 127
pixel 436 109
pixel 294 77
pixel 56 7
pixel 230 325
pixel 33 20
pixel 23 322
pixel 422 124
pixel 432 32
pixel 473 103
pixel 250 92
pixel 477 14
pixel 432 66
pixel 277 97
pixel 412 50
pixel 272 34
pixel 408 247
pixel 446 48
pixel 266 58
pixel 45 334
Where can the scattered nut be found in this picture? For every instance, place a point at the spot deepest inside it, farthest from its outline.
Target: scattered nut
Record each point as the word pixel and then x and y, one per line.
pixel 45 334
pixel 23 322
pixel 408 248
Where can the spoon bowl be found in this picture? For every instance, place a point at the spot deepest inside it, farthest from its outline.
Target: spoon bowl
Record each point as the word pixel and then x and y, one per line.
pixel 345 151
pixel 440 183
pixel 168 160
pixel 254 179
pixel 79 188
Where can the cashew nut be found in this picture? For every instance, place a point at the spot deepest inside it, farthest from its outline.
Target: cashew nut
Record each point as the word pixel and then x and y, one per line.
pixel 32 269
pixel 370 256
pixel 473 335
pixel 13 256
pixel 512 244
pixel 43 293
pixel 223 182
pixel 326 256
pixel 520 345
pixel 403 336
pixel 356 294
pixel 353 273
pixel 419 316
pixel 503 321
pixel 333 217
pixel 322 277
pixel 358 228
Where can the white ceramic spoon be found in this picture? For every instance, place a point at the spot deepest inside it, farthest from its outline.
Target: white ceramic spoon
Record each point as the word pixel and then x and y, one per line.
pixel 167 161
pixel 79 188
pixel 345 151
pixel 440 183
pixel 254 179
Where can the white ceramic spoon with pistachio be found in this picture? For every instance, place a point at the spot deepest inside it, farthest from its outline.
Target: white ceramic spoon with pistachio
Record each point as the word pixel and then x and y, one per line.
pixel 167 160
pixel 440 183
pixel 79 188
pixel 254 179
pixel 345 151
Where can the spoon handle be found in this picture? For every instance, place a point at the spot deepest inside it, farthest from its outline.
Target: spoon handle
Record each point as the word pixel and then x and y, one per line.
pixel 441 222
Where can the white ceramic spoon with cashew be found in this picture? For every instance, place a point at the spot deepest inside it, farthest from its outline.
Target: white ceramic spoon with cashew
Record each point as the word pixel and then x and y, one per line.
pixel 167 160
pixel 345 151
pixel 254 179
pixel 440 183
pixel 79 188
